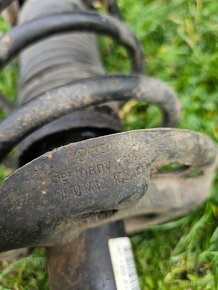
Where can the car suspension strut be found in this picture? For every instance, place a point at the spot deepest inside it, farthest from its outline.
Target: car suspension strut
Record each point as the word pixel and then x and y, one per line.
pixel 81 183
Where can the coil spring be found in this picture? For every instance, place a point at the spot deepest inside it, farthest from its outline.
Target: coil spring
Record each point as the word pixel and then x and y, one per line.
pixel 79 94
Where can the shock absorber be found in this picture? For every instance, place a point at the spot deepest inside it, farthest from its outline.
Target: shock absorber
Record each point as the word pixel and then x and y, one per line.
pixel 84 184
pixel 56 62
pixel 44 66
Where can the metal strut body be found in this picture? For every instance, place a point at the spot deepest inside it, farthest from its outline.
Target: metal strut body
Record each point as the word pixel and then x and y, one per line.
pixel 81 181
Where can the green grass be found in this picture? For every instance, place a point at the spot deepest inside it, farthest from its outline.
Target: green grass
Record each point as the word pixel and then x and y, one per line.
pixel 180 42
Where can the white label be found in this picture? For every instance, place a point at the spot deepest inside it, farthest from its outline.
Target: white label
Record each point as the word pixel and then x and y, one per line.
pixel 123 264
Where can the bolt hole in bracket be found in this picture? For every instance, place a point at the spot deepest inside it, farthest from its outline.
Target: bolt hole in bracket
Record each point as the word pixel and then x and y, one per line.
pixel 68 190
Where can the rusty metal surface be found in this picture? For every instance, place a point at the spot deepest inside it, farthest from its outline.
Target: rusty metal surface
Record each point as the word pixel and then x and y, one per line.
pixel 84 263
pixel 87 183
pixel 82 94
